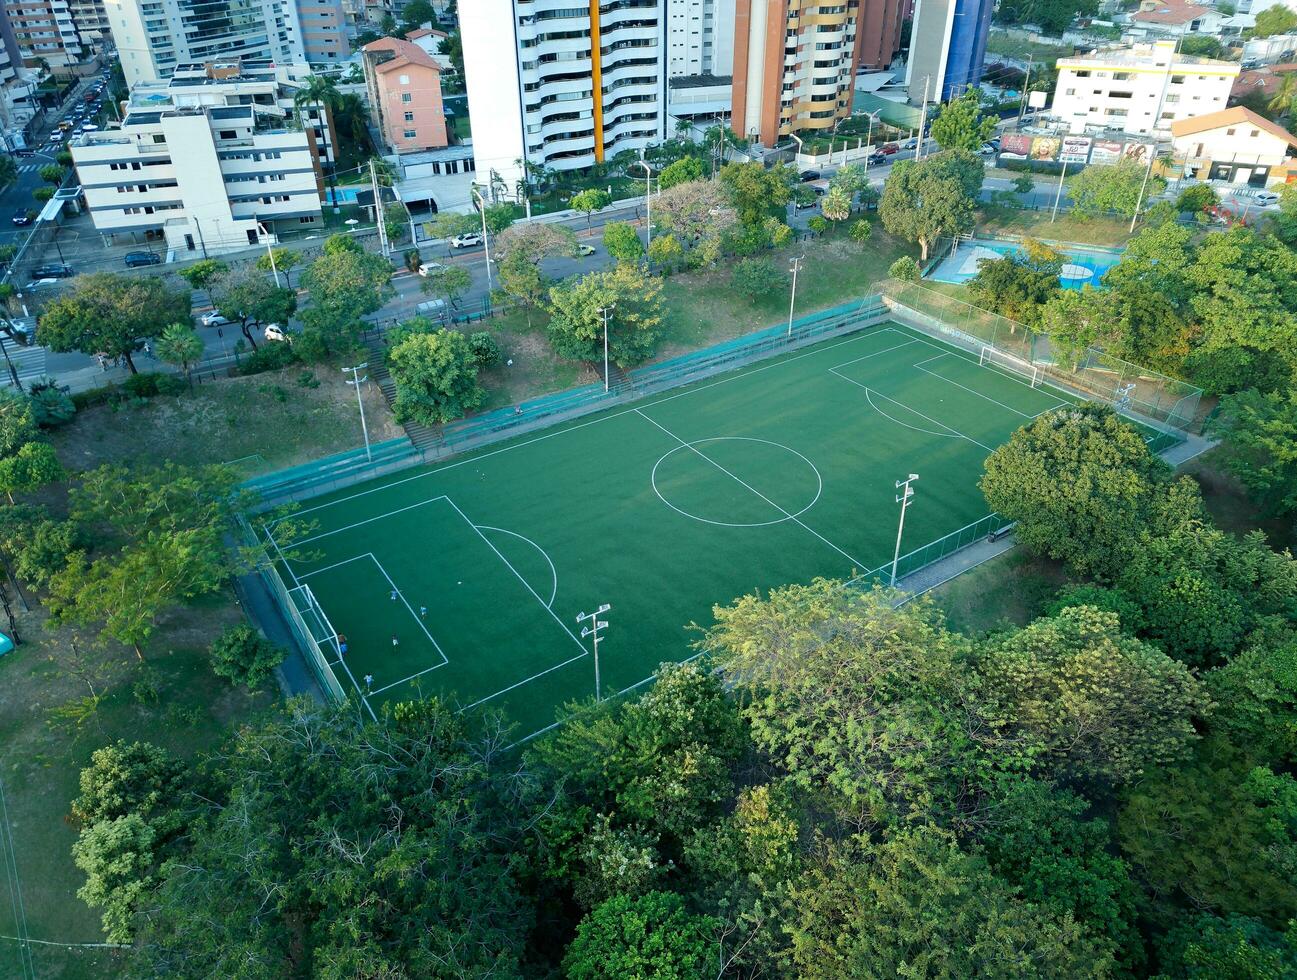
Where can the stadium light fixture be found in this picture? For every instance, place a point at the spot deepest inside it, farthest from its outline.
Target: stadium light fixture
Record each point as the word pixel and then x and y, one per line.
pixel 792 300
pixel 903 498
pixel 592 630
pixel 603 312
pixel 356 381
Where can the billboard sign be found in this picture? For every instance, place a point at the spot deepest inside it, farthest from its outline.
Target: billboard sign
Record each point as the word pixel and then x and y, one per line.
pixel 1045 148
pixel 1076 149
pixel 1015 145
pixel 1105 152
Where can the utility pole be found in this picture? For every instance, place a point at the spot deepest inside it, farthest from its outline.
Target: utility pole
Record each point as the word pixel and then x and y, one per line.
pixel 1058 194
pixel 356 381
pixel 648 201
pixel 593 631
pixel 923 118
pixel 486 244
pixel 270 253
pixel 792 301
pixel 378 210
pixel 1022 102
pixel 1157 117
pixel 903 499
pixel 603 312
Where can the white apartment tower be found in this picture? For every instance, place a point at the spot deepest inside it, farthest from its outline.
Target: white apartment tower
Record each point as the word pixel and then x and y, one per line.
pixel 564 86
pixel 210 161
pixel 700 37
pixel 154 36
pixel 1141 89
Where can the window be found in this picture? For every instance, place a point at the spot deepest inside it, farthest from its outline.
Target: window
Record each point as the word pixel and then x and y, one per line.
pixel 407 97
pixel 404 79
pixel 409 117
pixel 1177 79
pixel 227 134
pixel 410 134
pixel 1083 74
pixel 1229 132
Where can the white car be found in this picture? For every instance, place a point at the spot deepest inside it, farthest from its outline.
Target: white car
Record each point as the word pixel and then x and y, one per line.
pixel 215 319
pixel 1266 198
pixel 470 240
pixel 40 284
pixel 275 332
pixel 428 268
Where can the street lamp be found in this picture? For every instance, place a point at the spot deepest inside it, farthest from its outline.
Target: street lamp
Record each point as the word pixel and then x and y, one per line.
pixel 603 312
pixel 792 301
pixel 869 137
pixel 648 200
pixel 270 252
pixel 592 630
pixel 356 381
pixel 904 500
pixel 486 244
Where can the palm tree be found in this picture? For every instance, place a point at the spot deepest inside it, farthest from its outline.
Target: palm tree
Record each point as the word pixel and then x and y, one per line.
pixel 1285 95
pixel 321 92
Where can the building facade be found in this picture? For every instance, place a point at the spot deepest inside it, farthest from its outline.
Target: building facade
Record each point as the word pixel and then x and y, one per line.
pixel 202 173
pixel 1235 145
pixel 45 31
pixel 700 37
pixel 1141 89
pixel 794 66
pixel 404 86
pixel 947 48
pixel 91 21
pixel 564 87
pixel 154 36
pixel 878 37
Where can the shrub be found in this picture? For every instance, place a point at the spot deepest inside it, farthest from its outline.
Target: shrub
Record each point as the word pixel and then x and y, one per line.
pixel 860 230
pixel 268 357
pixel 51 403
pixel 150 384
pixel 819 224
pixel 486 349
pixel 904 269
pixel 755 279
pixel 243 656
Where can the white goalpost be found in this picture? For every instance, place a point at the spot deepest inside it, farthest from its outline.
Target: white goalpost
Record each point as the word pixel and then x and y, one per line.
pixel 993 357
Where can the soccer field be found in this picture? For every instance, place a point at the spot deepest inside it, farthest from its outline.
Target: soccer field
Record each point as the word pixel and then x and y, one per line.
pixel 776 473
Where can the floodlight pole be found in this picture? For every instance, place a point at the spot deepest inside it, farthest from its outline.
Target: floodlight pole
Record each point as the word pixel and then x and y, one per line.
pixel 1058 194
pixel 356 381
pixel 603 312
pixel 903 499
pixel 592 630
pixel 792 300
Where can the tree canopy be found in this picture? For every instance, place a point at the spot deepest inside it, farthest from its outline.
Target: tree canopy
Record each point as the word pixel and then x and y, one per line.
pixel 107 313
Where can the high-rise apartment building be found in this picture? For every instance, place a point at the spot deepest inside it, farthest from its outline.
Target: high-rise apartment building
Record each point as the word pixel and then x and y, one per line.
pixel 90 20
pixel 878 36
pixel 563 86
pixel 947 47
pixel 794 65
pixel 700 37
pixel 45 31
pixel 154 36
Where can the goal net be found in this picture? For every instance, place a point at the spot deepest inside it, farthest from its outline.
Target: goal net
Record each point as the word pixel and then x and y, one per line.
pixel 993 357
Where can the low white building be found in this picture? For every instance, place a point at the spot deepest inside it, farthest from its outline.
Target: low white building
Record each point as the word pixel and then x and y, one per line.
pixel 207 179
pixel 1236 145
pixel 1140 89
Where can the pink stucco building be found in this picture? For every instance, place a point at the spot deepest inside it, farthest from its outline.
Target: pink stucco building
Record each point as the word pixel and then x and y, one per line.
pixel 404 85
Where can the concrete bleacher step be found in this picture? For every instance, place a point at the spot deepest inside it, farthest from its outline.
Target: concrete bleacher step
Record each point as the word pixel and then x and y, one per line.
pixel 422 436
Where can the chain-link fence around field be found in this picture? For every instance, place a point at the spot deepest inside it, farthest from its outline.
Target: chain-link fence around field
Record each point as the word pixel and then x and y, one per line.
pixel 1165 404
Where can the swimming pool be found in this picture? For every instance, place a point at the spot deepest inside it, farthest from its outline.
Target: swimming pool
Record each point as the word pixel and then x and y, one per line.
pixel 1081 266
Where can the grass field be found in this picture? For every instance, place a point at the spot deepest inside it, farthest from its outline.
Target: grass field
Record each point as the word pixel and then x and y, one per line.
pixel 777 473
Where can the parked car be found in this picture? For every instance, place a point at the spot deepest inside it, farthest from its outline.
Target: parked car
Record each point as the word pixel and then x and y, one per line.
pixel 987 150
pixel 136 259
pixel 583 249
pixel 53 270
pixel 435 308
pixel 1266 198
pixel 275 332
pixel 428 268
pixel 890 149
pixel 36 284
pixel 214 318
pixel 807 175
pixel 470 240
pixel 22 218
pixel 876 158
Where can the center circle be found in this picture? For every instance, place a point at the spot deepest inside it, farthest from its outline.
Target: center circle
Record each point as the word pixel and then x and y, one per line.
pixel 737 481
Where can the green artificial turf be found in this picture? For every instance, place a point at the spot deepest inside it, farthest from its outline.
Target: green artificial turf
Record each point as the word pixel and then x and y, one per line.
pixel 773 474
